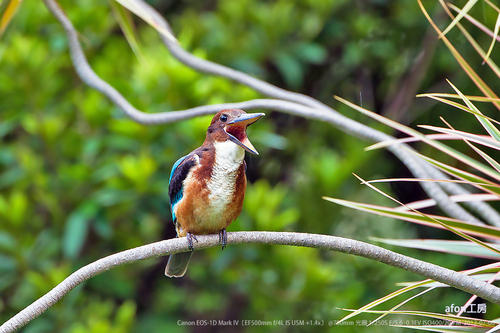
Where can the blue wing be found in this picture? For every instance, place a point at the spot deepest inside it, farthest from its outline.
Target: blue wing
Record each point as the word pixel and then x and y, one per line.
pixel 179 172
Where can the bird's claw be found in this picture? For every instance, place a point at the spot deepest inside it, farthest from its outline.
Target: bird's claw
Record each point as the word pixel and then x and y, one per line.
pixel 223 238
pixel 190 238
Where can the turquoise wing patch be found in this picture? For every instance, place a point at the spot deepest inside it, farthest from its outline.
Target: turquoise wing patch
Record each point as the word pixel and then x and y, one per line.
pixel 179 172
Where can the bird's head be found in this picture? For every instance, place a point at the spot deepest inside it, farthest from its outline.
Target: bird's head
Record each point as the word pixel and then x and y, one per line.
pixel 231 125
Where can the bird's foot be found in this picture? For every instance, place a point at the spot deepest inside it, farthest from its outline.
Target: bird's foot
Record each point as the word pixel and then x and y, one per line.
pixel 190 238
pixel 223 238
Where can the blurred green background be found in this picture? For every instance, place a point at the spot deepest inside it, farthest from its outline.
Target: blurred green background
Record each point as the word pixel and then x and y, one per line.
pixel 79 180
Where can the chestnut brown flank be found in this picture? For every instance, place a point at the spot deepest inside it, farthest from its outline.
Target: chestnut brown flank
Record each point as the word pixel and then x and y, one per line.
pixel 195 198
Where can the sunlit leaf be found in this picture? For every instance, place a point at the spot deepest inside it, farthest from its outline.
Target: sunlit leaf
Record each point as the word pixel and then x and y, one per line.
pixel 384 299
pixel 386 180
pixel 471 40
pixel 474 21
pixel 461 14
pixel 495 35
pixel 8 14
pixel 488 126
pixel 494 329
pixel 127 26
pixel 409 286
pixel 481 277
pixel 494 164
pixel 478 81
pixel 462 107
pixel 474 180
pixel 470 97
pixel 143 10
pixel 400 304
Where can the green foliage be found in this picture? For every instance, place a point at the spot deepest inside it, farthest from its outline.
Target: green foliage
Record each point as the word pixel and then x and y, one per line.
pixel 79 180
pixel 409 212
pixel 263 206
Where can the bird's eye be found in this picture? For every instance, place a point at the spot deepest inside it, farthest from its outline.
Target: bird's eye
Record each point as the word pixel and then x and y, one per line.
pixel 223 118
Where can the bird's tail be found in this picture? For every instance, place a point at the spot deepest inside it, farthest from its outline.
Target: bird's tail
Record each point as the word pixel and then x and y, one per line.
pixel 177 264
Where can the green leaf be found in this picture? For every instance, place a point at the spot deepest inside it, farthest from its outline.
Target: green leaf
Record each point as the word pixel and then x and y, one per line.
pixel 409 286
pixel 8 14
pixel 127 26
pixel 17 206
pixel 485 156
pixel 125 316
pixel 290 69
pixel 493 40
pixel 488 126
pixel 482 277
pixel 310 52
pixel 400 304
pixel 143 10
pixel 471 178
pixel 76 229
pixel 463 107
pixel 470 97
pixel 7 242
pixel 461 14
pixel 471 40
pixel 478 81
pixel 493 163
pixel 381 300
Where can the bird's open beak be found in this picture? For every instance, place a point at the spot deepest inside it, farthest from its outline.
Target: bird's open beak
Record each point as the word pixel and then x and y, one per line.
pixel 236 130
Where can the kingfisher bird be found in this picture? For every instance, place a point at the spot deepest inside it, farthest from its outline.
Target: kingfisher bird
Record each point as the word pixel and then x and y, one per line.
pixel 207 186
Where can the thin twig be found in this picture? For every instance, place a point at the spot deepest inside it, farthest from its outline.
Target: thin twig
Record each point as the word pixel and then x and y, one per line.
pixel 289 102
pixel 325 242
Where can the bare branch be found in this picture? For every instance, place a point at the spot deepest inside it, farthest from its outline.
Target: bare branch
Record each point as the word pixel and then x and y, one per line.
pixel 325 242
pixel 292 103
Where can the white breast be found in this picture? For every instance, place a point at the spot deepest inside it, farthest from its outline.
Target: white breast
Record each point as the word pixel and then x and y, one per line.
pixel 228 159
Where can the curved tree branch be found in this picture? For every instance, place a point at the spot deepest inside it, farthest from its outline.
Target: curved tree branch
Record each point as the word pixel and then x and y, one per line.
pixel 325 242
pixel 289 102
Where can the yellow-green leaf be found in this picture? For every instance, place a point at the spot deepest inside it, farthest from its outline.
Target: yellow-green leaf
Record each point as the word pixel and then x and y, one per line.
pixel 478 81
pixel 495 34
pixel 488 126
pixel 461 14
pixel 143 10
pixel 8 14
pixel 127 26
